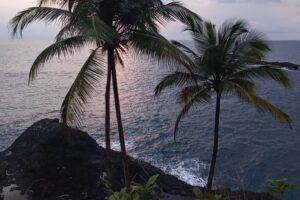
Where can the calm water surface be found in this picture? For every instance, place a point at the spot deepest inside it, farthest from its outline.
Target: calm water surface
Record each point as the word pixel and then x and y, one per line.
pixel 253 146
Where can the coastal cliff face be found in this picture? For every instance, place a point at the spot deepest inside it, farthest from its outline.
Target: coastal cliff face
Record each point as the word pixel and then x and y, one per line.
pixel 51 161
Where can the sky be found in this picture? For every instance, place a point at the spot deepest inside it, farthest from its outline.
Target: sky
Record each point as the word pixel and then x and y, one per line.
pixel 278 19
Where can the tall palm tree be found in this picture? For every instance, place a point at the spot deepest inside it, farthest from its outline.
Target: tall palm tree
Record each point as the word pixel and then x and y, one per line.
pixel 222 66
pixel 112 27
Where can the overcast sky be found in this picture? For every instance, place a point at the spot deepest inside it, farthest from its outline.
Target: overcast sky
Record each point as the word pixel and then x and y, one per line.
pixel 278 19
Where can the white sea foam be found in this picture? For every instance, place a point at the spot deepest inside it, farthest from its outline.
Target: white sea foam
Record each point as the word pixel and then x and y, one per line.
pixel 115 144
pixel 189 170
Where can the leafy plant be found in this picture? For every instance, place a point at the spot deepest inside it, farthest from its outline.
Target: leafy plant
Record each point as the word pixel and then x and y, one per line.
pixel 277 188
pixel 122 195
pixel 143 191
pixel 138 192
pixel 199 195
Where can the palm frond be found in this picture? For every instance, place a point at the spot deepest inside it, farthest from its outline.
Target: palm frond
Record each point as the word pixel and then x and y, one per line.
pixel 201 96
pixel 119 58
pixel 174 11
pixel 188 50
pixel 249 47
pixel 60 3
pixel 205 37
pixel 177 79
pixel 247 93
pixel 82 89
pixel 100 29
pixel 230 31
pixel 157 47
pixel 263 105
pixel 92 26
pixel 266 72
pixel 238 85
pixel 190 91
pixel 181 114
pixel 62 48
pixel 181 13
pixel 69 30
pixel 71 4
pixel 30 15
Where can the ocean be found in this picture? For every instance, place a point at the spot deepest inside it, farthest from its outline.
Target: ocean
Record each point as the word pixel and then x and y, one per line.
pixel 253 146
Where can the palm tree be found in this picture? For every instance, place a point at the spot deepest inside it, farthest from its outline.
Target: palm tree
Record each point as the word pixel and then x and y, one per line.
pixel 112 27
pixel 222 66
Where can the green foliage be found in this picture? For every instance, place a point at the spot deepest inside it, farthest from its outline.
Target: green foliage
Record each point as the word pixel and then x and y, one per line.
pixel 138 191
pixel 122 195
pixel 118 26
pixel 143 191
pixel 199 195
pixel 222 64
pixel 277 188
pixel 82 88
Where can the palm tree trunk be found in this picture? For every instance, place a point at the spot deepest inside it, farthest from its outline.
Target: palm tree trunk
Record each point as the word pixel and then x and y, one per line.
pixel 215 146
pixel 119 120
pixel 107 122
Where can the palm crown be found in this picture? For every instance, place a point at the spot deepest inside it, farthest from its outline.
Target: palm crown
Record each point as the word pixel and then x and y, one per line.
pixel 105 24
pixel 223 64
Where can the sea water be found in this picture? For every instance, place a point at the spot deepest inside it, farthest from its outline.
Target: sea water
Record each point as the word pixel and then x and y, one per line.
pixel 253 146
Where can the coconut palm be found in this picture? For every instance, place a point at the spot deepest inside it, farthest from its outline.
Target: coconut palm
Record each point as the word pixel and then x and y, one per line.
pixel 112 27
pixel 222 60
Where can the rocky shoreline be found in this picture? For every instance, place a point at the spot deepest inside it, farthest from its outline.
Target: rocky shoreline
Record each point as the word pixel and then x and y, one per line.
pixel 50 161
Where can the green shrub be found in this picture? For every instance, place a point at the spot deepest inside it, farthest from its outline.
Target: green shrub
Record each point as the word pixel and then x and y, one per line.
pixel 277 188
pixel 122 195
pixel 199 195
pixel 138 191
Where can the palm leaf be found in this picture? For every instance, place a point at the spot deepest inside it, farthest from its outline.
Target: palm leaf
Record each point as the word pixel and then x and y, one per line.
pixel 238 85
pixel 190 91
pixel 91 26
pixel 263 105
pixel 177 79
pixel 62 48
pixel 60 3
pixel 205 37
pixel 82 88
pixel 69 30
pixel 266 72
pixel 200 97
pixel 30 15
pixel 184 48
pixel 96 27
pixel 181 13
pixel 247 94
pixel 249 47
pixel 156 46
pixel 119 58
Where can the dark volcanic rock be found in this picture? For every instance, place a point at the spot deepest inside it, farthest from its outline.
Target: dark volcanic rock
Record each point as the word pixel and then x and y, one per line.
pixel 50 161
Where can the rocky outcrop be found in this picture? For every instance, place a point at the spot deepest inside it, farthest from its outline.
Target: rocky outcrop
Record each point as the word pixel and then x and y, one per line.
pixel 50 161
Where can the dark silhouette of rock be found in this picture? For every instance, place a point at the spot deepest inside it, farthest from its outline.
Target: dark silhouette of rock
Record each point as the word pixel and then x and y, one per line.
pixel 51 161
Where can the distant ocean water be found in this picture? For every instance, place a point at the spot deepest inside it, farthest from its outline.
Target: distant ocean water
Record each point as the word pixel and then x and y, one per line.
pixel 253 146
